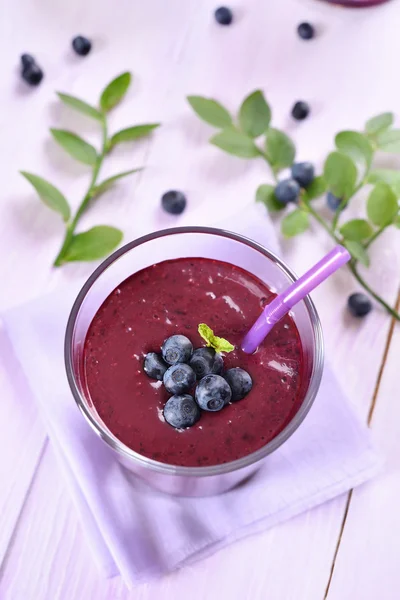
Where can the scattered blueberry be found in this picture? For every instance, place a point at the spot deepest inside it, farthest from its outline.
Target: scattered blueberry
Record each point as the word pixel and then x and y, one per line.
pixel 212 393
pixel 181 411
pixel 300 110
pixel 81 45
pixel 303 173
pixel 177 349
pixel 305 31
pixel 27 60
pixel 239 381
pixel 359 304
pixel 154 366
pixel 32 74
pixel 223 15
pixel 179 378
pixel 205 361
pixel 287 191
pixel 173 202
pixel 333 201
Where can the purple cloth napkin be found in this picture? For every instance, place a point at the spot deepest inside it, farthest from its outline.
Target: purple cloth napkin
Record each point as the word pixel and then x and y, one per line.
pixel 139 533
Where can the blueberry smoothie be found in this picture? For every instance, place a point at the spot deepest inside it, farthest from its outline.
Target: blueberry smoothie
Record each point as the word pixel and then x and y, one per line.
pixel 146 366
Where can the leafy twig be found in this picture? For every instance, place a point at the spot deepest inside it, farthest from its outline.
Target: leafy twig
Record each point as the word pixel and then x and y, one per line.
pixel 98 241
pixel 353 155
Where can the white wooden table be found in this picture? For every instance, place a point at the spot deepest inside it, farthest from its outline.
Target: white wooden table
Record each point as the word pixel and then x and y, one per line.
pixel 346 549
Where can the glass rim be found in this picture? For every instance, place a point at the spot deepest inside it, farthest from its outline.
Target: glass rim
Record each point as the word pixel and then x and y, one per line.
pixel 165 468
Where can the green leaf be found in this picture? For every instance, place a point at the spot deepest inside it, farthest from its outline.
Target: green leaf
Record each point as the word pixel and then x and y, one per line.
pixel 80 106
pixel 104 185
pixel 358 252
pixel 50 195
pixel 115 91
pixel 93 244
pixel 387 176
pixel 266 194
pixel 219 344
pixel 397 221
pixel 356 230
pixel 389 141
pixel 294 223
pixel 355 145
pixel 75 146
pixel 235 142
pixel 382 206
pixel 210 111
pixel 280 149
pixel 340 174
pixel 254 114
pixel 132 133
pixel 316 188
pixel 379 123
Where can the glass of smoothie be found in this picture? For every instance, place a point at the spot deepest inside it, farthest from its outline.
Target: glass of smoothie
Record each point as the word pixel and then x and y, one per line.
pixel 166 284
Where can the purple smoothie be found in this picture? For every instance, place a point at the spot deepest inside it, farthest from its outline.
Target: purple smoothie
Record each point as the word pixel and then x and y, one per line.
pixel 174 297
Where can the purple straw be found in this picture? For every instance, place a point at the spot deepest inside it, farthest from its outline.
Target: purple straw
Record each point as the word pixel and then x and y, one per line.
pixel 281 305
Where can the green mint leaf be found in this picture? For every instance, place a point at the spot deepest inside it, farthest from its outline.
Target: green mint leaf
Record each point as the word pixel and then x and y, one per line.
pixel 389 141
pixel 75 146
pixel 80 106
pixel 50 195
pixel 254 114
pixel 115 91
pixel 356 230
pixel 235 142
pixel 379 123
pixel 294 223
pixel 382 206
pixel 280 149
pixel 340 174
pixel 316 188
pixel 358 252
pixel 356 146
pixel 266 194
pixel 219 344
pixel 107 183
pixel 387 176
pixel 210 111
pixel 132 133
pixel 93 244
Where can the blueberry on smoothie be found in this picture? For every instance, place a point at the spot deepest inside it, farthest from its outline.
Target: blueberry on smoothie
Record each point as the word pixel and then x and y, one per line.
pixel 179 378
pixel 213 393
pixel 205 361
pixel 181 411
pixel 239 381
pixel 177 349
pixel 154 366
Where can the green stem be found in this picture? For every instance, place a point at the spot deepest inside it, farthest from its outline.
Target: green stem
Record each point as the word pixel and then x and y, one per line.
pixel 375 235
pixel 70 230
pixel 363 283
pixel 323 223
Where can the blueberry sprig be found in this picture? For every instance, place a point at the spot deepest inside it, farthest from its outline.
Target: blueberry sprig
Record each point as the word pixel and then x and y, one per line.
pixel 100 240
pixel 180 367
pixel 346 171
